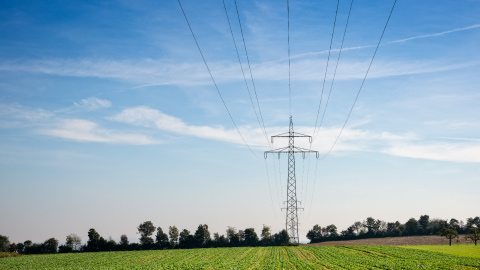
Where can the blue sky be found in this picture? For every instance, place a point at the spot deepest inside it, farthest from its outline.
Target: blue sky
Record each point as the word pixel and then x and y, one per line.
pixel 108 116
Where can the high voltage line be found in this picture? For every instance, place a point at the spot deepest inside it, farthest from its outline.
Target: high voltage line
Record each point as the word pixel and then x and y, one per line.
pixel 260 123
pixel 288 41
pixel 336 66
pixel 216 87
pixel 326 68
pixel 354 102
pixel 331 85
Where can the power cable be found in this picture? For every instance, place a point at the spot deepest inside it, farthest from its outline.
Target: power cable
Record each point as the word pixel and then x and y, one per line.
pixel 356 98
pixel 216 87
pixel 326 68
pixel 243 72
pixel 261 124
pixel 289 83
pixel 363 82
pixel 335 73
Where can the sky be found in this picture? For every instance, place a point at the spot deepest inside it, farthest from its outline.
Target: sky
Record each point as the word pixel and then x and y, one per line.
pixel 109 117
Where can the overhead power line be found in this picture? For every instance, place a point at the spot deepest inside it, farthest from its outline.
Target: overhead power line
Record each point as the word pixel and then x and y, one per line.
pixel 260 123
pixel 363 82
pixel 213 80
pixel 288 41
pixel 354 102
pixel 326 68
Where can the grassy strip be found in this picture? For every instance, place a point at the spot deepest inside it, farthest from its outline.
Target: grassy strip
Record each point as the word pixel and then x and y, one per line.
pixel 466 250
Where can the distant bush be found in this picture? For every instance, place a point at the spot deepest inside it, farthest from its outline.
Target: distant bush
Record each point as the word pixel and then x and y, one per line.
pixel 8 254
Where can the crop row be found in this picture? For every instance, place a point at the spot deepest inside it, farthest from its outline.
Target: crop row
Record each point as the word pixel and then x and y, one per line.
pixel 303 257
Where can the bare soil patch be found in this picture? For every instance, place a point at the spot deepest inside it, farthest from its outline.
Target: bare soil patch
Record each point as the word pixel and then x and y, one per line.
pixel 397 241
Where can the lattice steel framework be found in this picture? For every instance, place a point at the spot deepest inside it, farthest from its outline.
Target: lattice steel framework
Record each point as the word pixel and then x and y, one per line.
pixel 291 217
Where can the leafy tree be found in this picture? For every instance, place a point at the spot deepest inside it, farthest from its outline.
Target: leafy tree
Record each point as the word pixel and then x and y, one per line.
pixel 123 240
pixel 173 233
pixel 161 239
pixel 251 238
pixel 145 230
pixel 110 245
pixel 315 234
pixel 372 226
pixel 281 237
pixel 95 241
pixel 473 234
pixel 74 242
pixel 454 223
pixel 358 227
pixel 186 239
pixel 449 233
pixel 50 245
pixel 266 235
pixel 436 225
pixel 202 235
pixel 423 222
pixel 473 222
pixel 411 227
pixel 4 243
pixel 20 248
pixel 331 231
pixel 241 236
pixel 233 236
pixel 394 228
pixel 12 247
pixel 65 249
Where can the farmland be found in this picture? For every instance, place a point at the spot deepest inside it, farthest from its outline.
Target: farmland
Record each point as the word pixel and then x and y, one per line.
pixel 303 257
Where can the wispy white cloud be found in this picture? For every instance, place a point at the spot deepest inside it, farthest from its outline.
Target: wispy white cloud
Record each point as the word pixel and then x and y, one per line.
pixel 357 140
pixel 149 72
pixel 156 72
pixel 92 103
pixel 88 131
pixel 52 124
pixel 456 152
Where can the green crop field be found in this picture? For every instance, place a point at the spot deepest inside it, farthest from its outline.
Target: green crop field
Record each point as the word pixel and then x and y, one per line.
pixel 461 250
pixel 303 257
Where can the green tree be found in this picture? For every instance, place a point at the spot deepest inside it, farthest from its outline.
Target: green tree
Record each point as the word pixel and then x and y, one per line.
pixel 332 231
pixel 161 239
pixel 202 235
pixel 145 230
pixel 281 237
pixel 232 236
pixel 251 238
pixel 185 239
pixel 173 234
pixel 315 234
pixel 4 243
pixel 93 243
pixel 411 227
pixel 74 242
pixel 423 222
pixel 123 240
pixel 266 235
pixel 449 233
pixel 372 226
pixel 473 222
pixel 50 245
pixel 473 234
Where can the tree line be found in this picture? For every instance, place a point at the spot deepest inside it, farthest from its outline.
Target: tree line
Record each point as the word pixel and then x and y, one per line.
pixel 375 228
pixel 149 240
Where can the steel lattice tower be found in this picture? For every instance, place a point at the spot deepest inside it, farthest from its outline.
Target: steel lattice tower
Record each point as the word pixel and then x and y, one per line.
pixel 291 218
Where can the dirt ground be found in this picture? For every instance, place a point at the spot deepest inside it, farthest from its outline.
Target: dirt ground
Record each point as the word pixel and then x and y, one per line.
pixel 398 241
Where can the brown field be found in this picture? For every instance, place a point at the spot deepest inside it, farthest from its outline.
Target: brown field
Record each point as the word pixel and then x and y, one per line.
pixel 397 241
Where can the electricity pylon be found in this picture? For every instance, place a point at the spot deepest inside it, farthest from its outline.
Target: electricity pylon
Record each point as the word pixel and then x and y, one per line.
pixel 291 218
